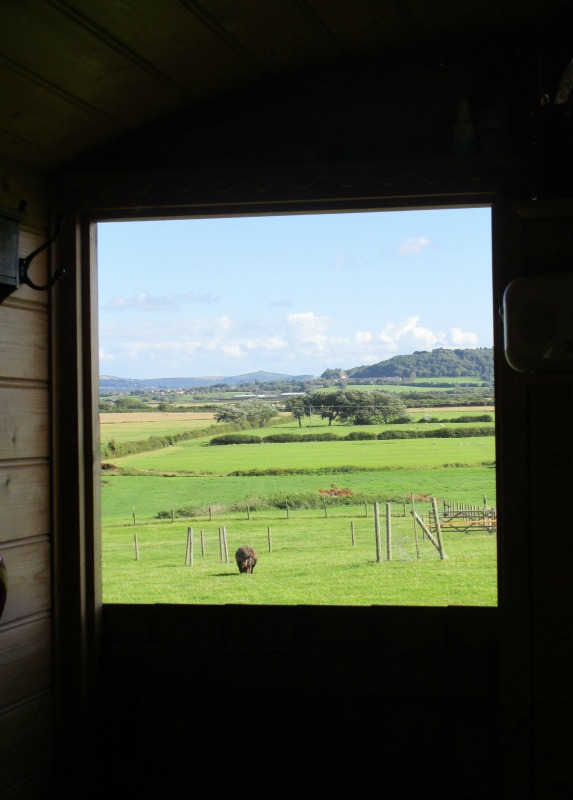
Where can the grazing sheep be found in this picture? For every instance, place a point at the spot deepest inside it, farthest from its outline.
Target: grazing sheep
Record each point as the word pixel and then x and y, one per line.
pixel 246 558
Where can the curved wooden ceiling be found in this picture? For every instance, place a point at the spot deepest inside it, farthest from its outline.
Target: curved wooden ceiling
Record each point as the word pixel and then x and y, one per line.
pixel 76 75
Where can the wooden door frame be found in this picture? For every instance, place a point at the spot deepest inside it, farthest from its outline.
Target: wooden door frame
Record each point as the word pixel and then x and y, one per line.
pixel 87 199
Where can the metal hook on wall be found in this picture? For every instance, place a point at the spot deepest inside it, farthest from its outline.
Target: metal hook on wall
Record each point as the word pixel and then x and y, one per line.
pixel 24 263
pixel 14 270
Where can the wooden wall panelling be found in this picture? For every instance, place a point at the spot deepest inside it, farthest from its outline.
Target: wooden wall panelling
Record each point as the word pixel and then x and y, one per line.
pixel 25 658
pixel 24 422
pixel 25 730
pixel 24 500
pixel 24 343
pixel 18 183
pixel 28 568
pixel 25 628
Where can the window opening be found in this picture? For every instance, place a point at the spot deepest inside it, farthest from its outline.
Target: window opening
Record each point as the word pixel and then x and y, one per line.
pixel 318 387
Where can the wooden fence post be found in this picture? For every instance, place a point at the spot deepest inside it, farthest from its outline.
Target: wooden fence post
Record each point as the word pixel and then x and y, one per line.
pixel 352 533
pixel 415 529
pixel 388 531
pixel 426 530
pixel 377 532
pixel 189 551
pixel 136 546
pixel 220 544
pixel 438 529
pixel 225 546
pixel 202 544
pixel 269 540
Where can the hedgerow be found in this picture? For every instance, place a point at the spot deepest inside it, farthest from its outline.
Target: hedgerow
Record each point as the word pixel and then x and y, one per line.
pixel 280 500
pixel 282 438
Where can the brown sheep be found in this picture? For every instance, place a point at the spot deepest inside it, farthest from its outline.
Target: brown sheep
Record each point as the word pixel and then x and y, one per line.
pixel 246 558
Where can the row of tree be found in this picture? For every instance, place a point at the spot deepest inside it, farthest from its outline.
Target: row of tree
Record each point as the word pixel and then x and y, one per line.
pixel 350 406
pixel 257 413
pixel 442 362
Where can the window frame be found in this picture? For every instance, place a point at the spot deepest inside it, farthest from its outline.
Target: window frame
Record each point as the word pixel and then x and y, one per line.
pixel 89 199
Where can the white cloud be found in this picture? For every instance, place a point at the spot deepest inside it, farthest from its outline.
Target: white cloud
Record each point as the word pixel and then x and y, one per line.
pixel 413 245
pixel 233 350
pixel 460 338
pixel 408 335
pixel 104 356
pixel 307 326
pixel 299 342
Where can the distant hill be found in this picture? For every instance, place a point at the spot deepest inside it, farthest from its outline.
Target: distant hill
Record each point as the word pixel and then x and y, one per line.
pixel 110 383
pixel 440 363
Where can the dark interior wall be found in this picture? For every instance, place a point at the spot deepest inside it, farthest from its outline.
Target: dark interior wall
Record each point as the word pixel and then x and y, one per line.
pixel 258 701
pixel 449 703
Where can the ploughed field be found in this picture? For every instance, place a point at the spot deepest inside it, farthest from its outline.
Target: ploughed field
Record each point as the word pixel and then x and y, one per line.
pixel 269 496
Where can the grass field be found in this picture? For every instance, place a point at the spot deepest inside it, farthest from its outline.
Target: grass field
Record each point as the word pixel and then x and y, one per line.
pixel 191 456
pixel 149 494
pixel 130 427
pixel 312 559
pixel 432 385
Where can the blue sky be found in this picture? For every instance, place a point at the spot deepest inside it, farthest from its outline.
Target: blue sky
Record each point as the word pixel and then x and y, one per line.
pixel 290 294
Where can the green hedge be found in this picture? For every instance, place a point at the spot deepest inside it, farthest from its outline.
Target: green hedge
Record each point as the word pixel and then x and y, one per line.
pixel 278 438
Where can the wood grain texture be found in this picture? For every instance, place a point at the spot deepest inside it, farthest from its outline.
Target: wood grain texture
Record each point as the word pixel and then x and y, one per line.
pixel 24 744
pixel 24 501
pixel 24 422
pixel 18 183
pixel 25 659
pixel 24 343
pixel 28 570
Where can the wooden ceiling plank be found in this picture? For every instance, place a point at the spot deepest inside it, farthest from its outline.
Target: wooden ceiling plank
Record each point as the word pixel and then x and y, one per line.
pixel 364 26
pixel 64 95
pixel 82 20
pixel 276 38
pixel 38 117
pixel 184 46
pixel 84 67
pixel 23 151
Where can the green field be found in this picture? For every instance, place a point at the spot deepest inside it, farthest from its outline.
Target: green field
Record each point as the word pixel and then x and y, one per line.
pixel 312 559
pixel 193 457
pixel 133 427
pixel 149 494
pixel 448 385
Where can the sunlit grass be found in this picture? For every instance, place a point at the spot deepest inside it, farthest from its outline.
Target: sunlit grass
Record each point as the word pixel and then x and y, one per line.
pixel 148 495
pixel 312 562
pixel 190 456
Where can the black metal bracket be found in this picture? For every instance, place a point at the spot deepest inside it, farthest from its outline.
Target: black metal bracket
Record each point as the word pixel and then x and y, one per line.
pixel 24 263
pixel 14 270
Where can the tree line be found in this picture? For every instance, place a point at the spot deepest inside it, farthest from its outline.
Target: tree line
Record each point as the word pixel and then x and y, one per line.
pixel 350 406
pixel 442 362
